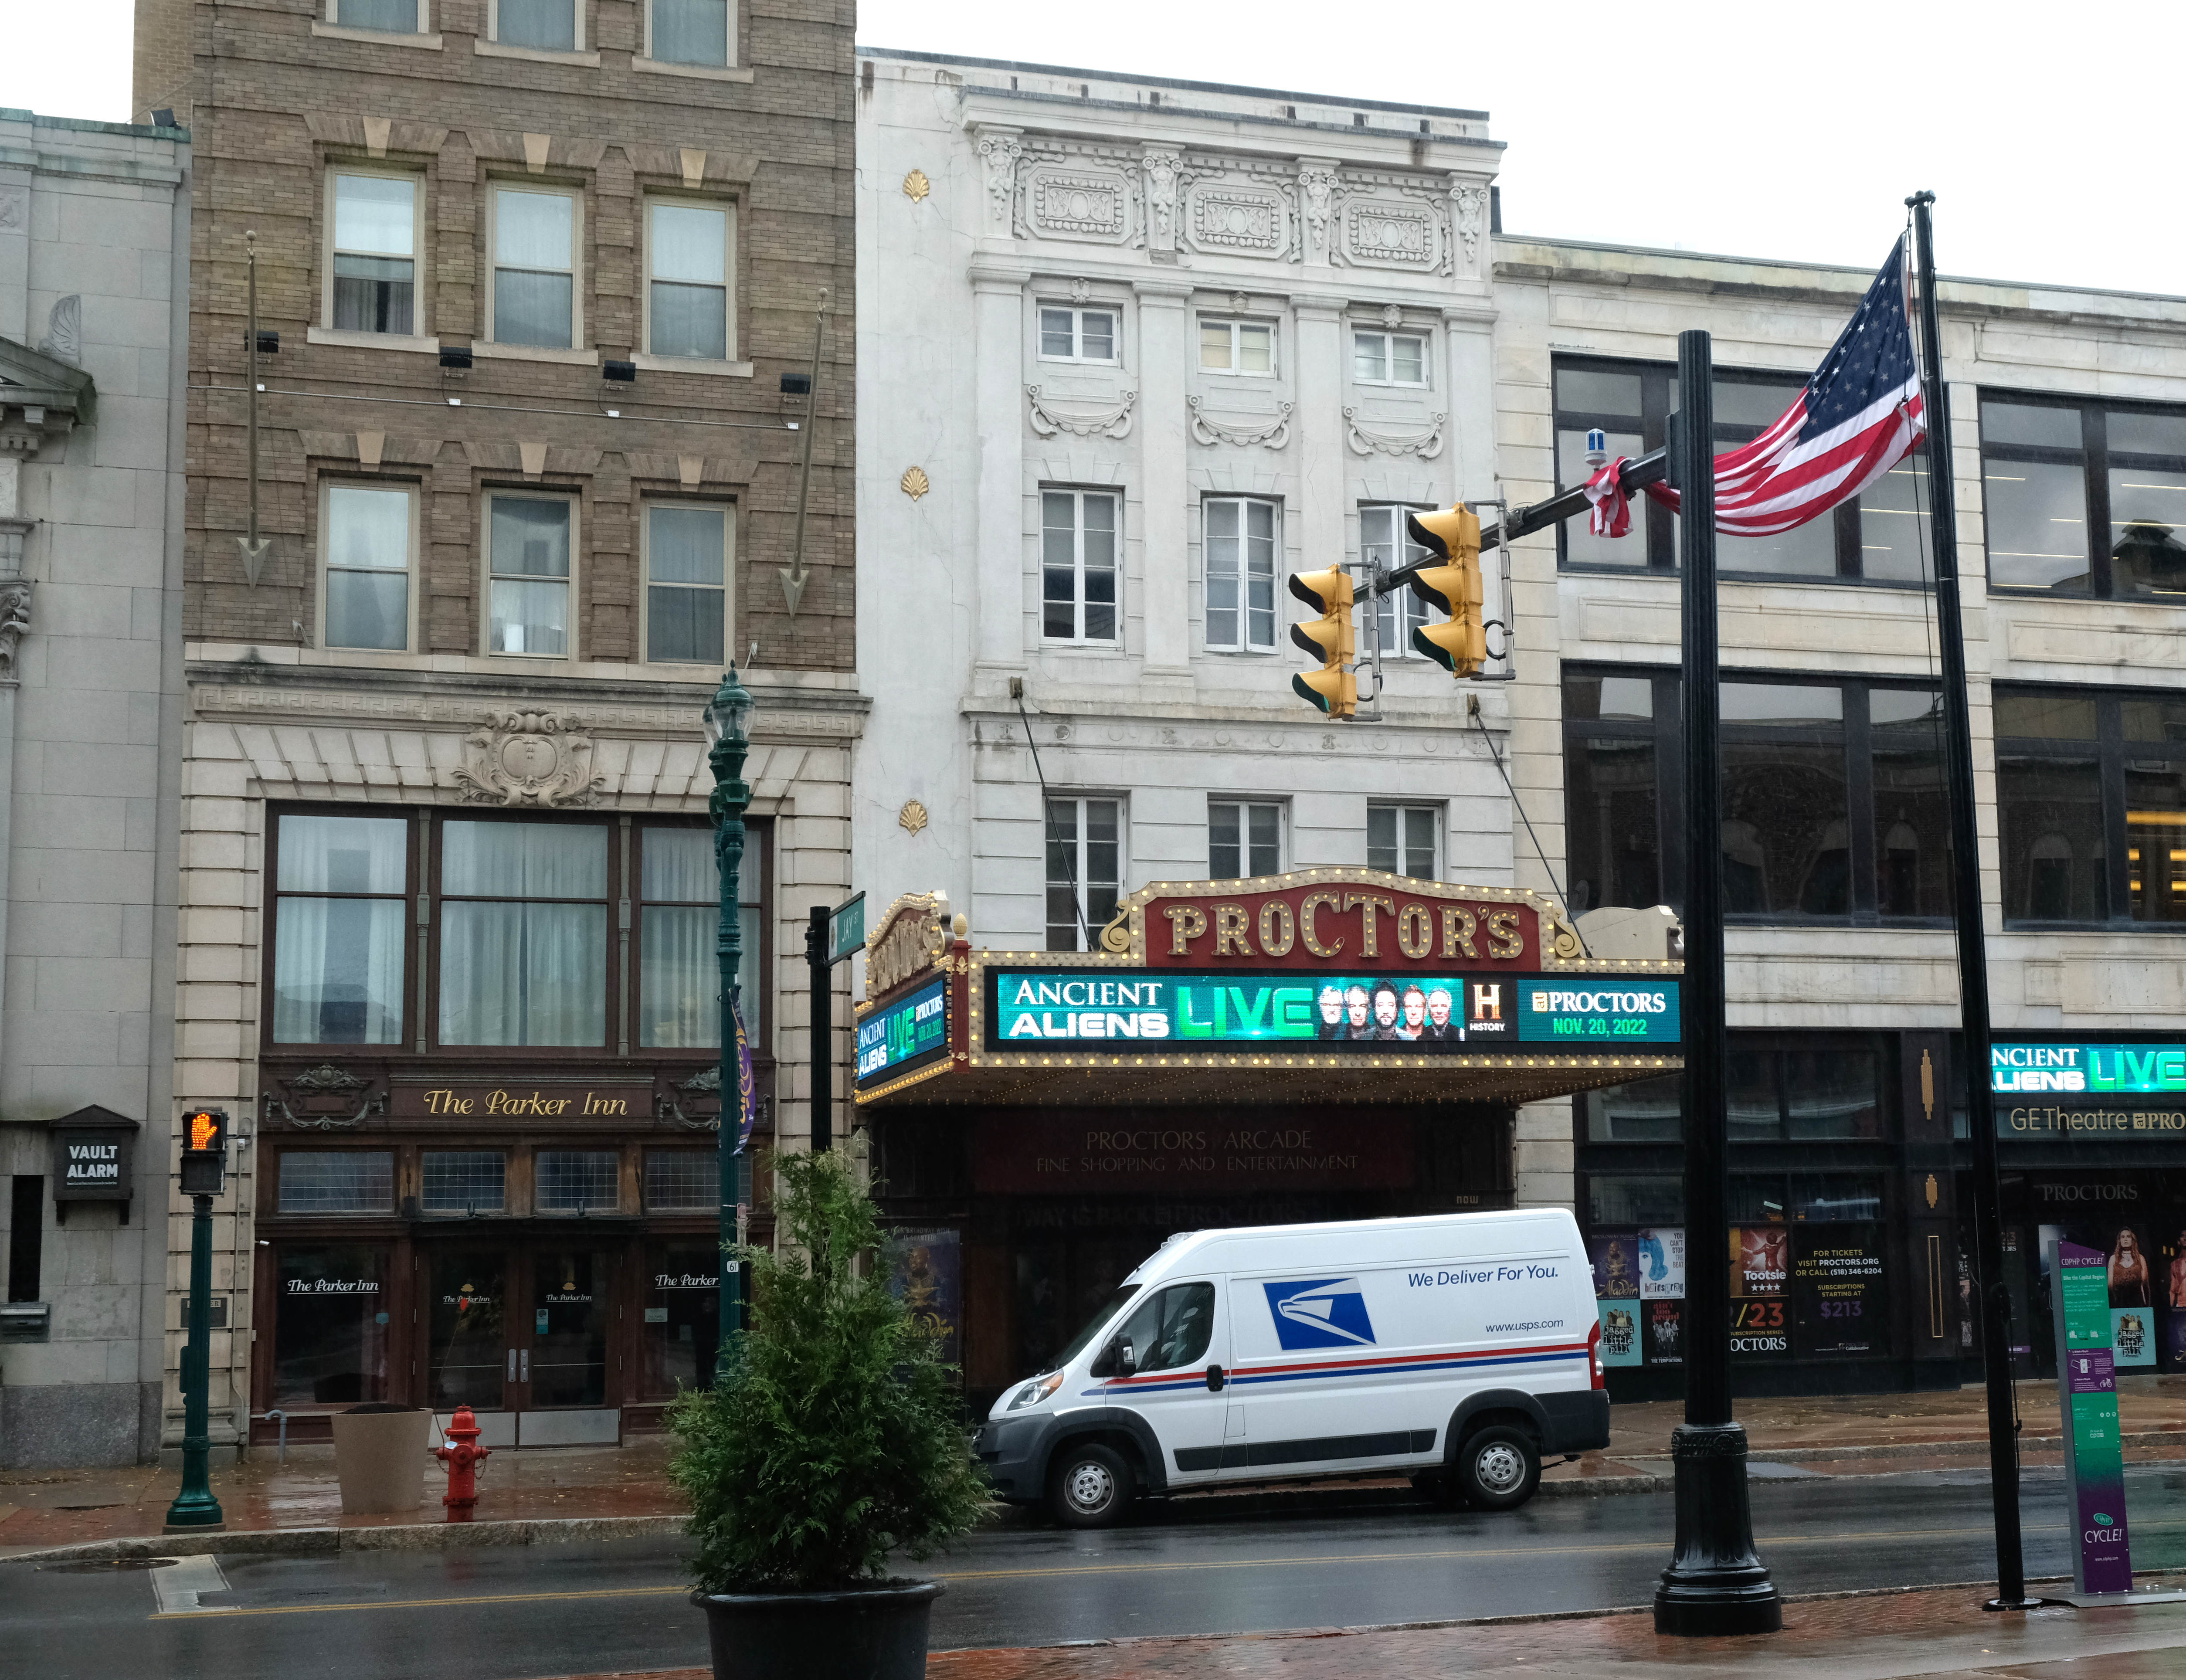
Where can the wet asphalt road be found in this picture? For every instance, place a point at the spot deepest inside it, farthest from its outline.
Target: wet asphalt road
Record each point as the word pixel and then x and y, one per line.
pixel 515 1613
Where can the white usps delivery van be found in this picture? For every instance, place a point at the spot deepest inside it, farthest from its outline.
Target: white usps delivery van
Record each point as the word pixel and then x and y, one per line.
pixel 1460 1349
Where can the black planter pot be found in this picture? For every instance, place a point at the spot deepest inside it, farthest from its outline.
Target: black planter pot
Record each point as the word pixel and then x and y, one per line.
pixel 876 1632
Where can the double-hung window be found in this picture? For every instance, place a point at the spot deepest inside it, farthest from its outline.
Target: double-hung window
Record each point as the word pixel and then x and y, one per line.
pixel 1068 334
pixel 534 298
pixel 687 549
pixel 1404 840
pixel 1384 546
pixel 523 933
pixel 368 532
pixel 1241 543
pixel 1078 565
pixel 2085 498
pixel 687 286
pixel 678 972
pixel 700 32
pixel 394 17
pixel 1243 840
pixel 339 887
pixel 1389 358
pixel 373 279
pixel 1085 870
pixel 527 543
pixel 543 26
pixel 1247 347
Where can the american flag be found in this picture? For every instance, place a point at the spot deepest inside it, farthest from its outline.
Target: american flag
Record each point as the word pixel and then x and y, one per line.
pixel 1859 416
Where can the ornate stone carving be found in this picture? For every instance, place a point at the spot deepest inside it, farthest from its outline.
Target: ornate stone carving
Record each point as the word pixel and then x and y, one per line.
pixel 14 210
pixel 1390 235
pixel 1164 171
pixel 914 483
pixel 1078 203
pixel 1001 152
pixel 529 759
pixel 1392 315
pixel 912 817
pixel 14 619
pixel 1316 203
pixel 1369 440
pixel 915 186
pixel 63 340
pixel 1274 434
pixel 1113 421
pixel 1238 218
pixel 1469 210
pixel 1081 289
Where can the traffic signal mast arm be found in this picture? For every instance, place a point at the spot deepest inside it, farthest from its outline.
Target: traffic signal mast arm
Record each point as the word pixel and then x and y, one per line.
pixel 1651 469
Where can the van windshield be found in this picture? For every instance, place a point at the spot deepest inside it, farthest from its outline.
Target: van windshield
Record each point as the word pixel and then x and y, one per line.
pixel 1093 1326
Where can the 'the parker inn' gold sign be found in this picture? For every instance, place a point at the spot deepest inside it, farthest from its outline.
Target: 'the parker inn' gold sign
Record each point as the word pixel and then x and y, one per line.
pixel 541 1102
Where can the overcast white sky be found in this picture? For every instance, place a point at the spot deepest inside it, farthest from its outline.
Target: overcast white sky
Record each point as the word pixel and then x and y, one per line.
pixel 2050 135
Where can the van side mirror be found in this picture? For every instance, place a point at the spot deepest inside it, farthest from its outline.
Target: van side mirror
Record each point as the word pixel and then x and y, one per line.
pixel 1128 1357
pixel 1104 1363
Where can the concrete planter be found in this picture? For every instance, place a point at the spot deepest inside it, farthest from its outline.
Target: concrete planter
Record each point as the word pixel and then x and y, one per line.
pixel 379 1459
pixel 876 1632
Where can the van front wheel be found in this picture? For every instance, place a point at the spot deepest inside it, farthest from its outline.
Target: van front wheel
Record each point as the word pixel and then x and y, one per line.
pixel 1089 1486
pixel 1499 1468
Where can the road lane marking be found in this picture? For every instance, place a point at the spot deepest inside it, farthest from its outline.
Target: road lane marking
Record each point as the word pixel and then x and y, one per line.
pixel 1155 1567
pixel 178 1589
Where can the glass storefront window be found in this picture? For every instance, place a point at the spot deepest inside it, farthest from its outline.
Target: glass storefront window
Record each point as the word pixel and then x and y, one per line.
pixel 330 1316
pixel 681 1181
pixel 682 1310
pixel 577 1181
pixel 570 1292
pixel 337 1181
pixel 464 1181
pixel 466 1307
pixel 1648 1110
pixel 1655 1199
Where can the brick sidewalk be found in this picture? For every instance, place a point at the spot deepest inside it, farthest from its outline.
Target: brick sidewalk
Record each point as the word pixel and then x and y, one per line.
pixel 1941 1634
pixel 1842 1435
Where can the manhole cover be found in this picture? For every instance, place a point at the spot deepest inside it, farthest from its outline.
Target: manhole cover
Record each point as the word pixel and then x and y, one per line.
pixel 107 1565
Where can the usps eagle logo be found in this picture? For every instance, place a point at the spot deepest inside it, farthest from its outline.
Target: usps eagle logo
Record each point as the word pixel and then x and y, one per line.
pixel 1319 1312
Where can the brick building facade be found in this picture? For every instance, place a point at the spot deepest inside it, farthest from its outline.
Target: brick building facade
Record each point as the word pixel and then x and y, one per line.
pixel 546 276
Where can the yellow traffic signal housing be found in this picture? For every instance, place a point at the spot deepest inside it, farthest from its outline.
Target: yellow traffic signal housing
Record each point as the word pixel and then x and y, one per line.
pixel 1453 536
pixel 1330 639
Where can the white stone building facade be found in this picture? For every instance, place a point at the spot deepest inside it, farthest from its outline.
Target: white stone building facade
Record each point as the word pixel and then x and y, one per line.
pixel 94 254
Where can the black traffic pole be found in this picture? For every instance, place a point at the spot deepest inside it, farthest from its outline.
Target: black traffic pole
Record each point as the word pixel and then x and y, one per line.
pixel 1995 1302
pixel 823 1026
pixel 1716 1583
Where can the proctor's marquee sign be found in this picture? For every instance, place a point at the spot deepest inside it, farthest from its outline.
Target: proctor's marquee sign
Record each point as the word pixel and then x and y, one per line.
pixel 1333 969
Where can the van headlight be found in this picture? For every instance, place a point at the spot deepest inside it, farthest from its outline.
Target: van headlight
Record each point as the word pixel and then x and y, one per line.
pixel 1036 1390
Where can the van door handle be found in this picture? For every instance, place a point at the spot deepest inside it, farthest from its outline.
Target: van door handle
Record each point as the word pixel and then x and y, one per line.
pixel 1215 1379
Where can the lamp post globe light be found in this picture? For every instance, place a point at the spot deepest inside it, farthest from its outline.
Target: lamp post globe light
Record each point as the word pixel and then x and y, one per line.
pixel 727 718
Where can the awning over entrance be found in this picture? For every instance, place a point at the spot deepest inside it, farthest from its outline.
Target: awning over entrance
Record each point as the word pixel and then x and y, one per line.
pixel 1323 986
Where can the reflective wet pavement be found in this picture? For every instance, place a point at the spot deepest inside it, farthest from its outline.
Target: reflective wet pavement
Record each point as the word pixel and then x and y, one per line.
pixel 1181 1575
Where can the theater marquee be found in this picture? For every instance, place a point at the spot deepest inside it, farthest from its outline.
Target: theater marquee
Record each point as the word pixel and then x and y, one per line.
pixel 1360 985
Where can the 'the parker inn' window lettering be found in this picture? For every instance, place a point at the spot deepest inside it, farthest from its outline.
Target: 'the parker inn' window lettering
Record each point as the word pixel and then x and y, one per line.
pixel 528 1104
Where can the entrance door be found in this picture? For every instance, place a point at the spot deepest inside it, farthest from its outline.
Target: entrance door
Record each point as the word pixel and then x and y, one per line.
pixel 521 1335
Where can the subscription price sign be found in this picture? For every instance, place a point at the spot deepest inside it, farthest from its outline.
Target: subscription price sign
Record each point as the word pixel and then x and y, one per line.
pixel 1368 1013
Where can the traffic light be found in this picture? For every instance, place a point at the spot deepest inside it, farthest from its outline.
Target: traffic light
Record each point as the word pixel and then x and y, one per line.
pixel 205 1151
pixel 1328 639
pixel 1452 535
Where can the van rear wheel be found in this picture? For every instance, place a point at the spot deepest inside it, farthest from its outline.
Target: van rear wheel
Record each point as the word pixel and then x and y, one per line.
pixel 1499 1468
pixel 1089 1486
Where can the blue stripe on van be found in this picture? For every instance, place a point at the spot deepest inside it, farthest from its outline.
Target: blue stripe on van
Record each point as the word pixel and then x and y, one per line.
pixel 1349 1368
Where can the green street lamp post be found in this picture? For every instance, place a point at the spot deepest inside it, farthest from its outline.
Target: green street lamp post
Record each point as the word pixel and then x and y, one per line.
pixel 728 717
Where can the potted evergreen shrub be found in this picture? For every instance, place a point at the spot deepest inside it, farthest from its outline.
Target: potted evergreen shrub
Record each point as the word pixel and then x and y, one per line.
pixel 835 1439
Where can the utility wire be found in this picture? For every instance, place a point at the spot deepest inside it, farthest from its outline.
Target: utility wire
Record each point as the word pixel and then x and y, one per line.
pixel 1472 712
pixel 1047 825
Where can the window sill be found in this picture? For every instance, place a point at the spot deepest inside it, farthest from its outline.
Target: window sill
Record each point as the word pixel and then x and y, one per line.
pixel 388 341
pixel 692 364
pixel 537 55
pixel 698 72
pixel 574 358
pixel 383 37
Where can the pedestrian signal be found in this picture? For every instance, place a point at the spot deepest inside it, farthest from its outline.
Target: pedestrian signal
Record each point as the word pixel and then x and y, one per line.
pixel 1329 639
pixel 205 1151
pixel 1452 535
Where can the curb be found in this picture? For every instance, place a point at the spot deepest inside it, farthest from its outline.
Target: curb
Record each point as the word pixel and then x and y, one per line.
pixel 421 1537
pixel 1972 1447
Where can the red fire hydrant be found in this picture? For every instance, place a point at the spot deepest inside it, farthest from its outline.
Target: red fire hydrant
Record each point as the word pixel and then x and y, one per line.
pixel 463 1460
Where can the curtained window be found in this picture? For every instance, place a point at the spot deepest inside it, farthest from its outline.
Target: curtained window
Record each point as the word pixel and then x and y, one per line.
pixel 679 984
pixel 338 929
pixel 524 932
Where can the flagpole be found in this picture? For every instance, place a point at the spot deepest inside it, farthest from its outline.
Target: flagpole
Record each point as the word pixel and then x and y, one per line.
pixel 1973 955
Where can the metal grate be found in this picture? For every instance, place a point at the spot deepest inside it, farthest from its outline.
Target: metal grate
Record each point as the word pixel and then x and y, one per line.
pixel 578 1181
pixel 338 1181
pixel 681 1181
pixel 465 1181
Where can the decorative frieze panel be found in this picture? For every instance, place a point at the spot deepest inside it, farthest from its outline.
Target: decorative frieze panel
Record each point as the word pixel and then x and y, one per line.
pixel 1424 441
pixel 1388 232
pixel 1239 221
pixel 529 759
pixel 1065 201
pixel 1273 433
pixel 1111 420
